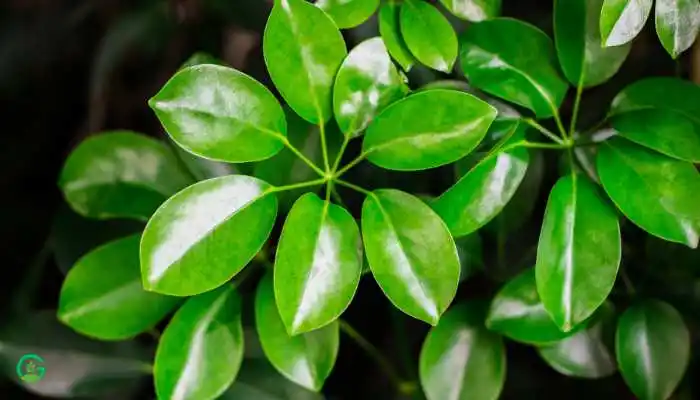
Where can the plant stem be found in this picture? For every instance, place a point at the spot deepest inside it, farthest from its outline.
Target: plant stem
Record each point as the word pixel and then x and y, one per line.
pixel 577 103
pixel 341 152
pixel 336 196
pixel 546 132
pixel 549 146
pixel 301 156
pixel 324 147
pixel 299 185
pixel 560 125
pixel 351 164
pixel 354 187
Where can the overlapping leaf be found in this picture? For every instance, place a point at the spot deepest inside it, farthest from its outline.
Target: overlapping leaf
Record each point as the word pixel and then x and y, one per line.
pixel 390 31
pixel 473 10
pixel 348 13
pixel 428 35
pixel 672 94
pixel 622 20
pixel 677 24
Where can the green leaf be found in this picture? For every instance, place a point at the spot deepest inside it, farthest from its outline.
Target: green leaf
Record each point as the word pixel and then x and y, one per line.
pixel 427 130
pixel 367 82
pixel 505 111
pixel 202 169
pixel 102 295
pixel 653 349
pixel 579 252
pixel 199 58
pixel 657 193
pixel 677 24
pixel 303 50
pixel 622 20
pixel 201 349
pixel 473 10
pixel 411 253
pixel 348 13
pixel 428 35
pixel 660 92
pixel 485 189
pixel 390 31
pixel 317 265
pixel 120 174
pixel 470 255
pixel 258 380
pixel 667 132
pixel 460 358
pixel 517 312
pixel 585 354
pixel 205 234
pixel 305 359
pixel 579 46
pixel 221 114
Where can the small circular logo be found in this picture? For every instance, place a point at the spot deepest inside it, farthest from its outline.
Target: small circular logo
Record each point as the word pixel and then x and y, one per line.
pixel 30 368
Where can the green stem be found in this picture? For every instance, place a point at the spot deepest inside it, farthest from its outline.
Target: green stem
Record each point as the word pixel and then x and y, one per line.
pixel 351 164
pixel 324 147
pixel 548 146
pixel 301 156
pixel 354 187
pixel 341 152
pixel 577 103
pixel 546 132
pixel 336 196
pixel 299 185
pixel 560 125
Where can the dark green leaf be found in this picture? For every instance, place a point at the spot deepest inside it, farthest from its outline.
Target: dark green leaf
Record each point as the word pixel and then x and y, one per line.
pixel 306 359
pixel 622 20
pixel 205 234
pixel 665 131
pixel 102 295
pixel 577 36
pixel 120 174
pixel 427 130
pixel 221 114
pixel 473 10
pixel 660 92
pixel 657 193
pixel 579 252
pixel 367 82
pixel 202 169
pixel 303 51
pixel 653 349
pixel 348 13
pixel 411 253
pixel 523 71
pixel 201 349
pixel 258 380
pixel 199 58
pixel 470 255
pixel 428 35
pixel 389 29
pixel 677 24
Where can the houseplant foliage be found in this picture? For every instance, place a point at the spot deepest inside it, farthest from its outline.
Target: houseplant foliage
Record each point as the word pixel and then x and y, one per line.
pixel 208 233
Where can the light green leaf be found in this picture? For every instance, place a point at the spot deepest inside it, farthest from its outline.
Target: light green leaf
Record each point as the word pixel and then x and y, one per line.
pixel 367 82
pixel 303 50
pixel 460 358
pixel 427 130
pixel 677 24
pixel 578 253
pixel 205 234
pixel 221 114
pixel 348 13
pixel 657 193
pixel 120 174
pixel 653 349
pixel 317 265
pixel 390 31
pixel 201 349
pixel 473 10
pixel 660 92
pixel 102 295
pixel 411 253
pixel 305 359
pixel 428 35
pixel 584 59
pixel 522 71
pixel 668 132
pixel 622 20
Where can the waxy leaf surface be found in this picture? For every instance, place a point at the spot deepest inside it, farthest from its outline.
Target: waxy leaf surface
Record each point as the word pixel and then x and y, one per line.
pixel 622 20
pixel 473 10
pixel 390 31
pixel 428 35
pixel 672 94
pixel 677 24
pixel 348 13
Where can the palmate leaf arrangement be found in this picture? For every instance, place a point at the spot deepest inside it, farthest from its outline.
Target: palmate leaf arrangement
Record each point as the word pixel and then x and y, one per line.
pixel 197 243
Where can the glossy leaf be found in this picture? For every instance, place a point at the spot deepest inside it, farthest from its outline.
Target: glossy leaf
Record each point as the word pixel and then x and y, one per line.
pixel 367 82
pixel 585 354
pixel 677 24
pixel 667 132
pixel 102 295
pixel 517 312
pixel 201 349
pixel 505 111
pixel 317 265
pixel 659 92
pixel 657 193
pixel 653 349
pixel 205 234
pixel 427 130
pixel 220 114
pixel 120 174
pixel 622 20
pixel 258 380
pixel 522 71
pixel 428 35
pixel 579 252
pixel 473 10
pixel 306 359
pixel 390 31
pixel 484 190
pixel 348 13
pixel 202 169
pixel 199 58
pixel 411 253
pixel 460 358
pixel 583 58
pixel 303 50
